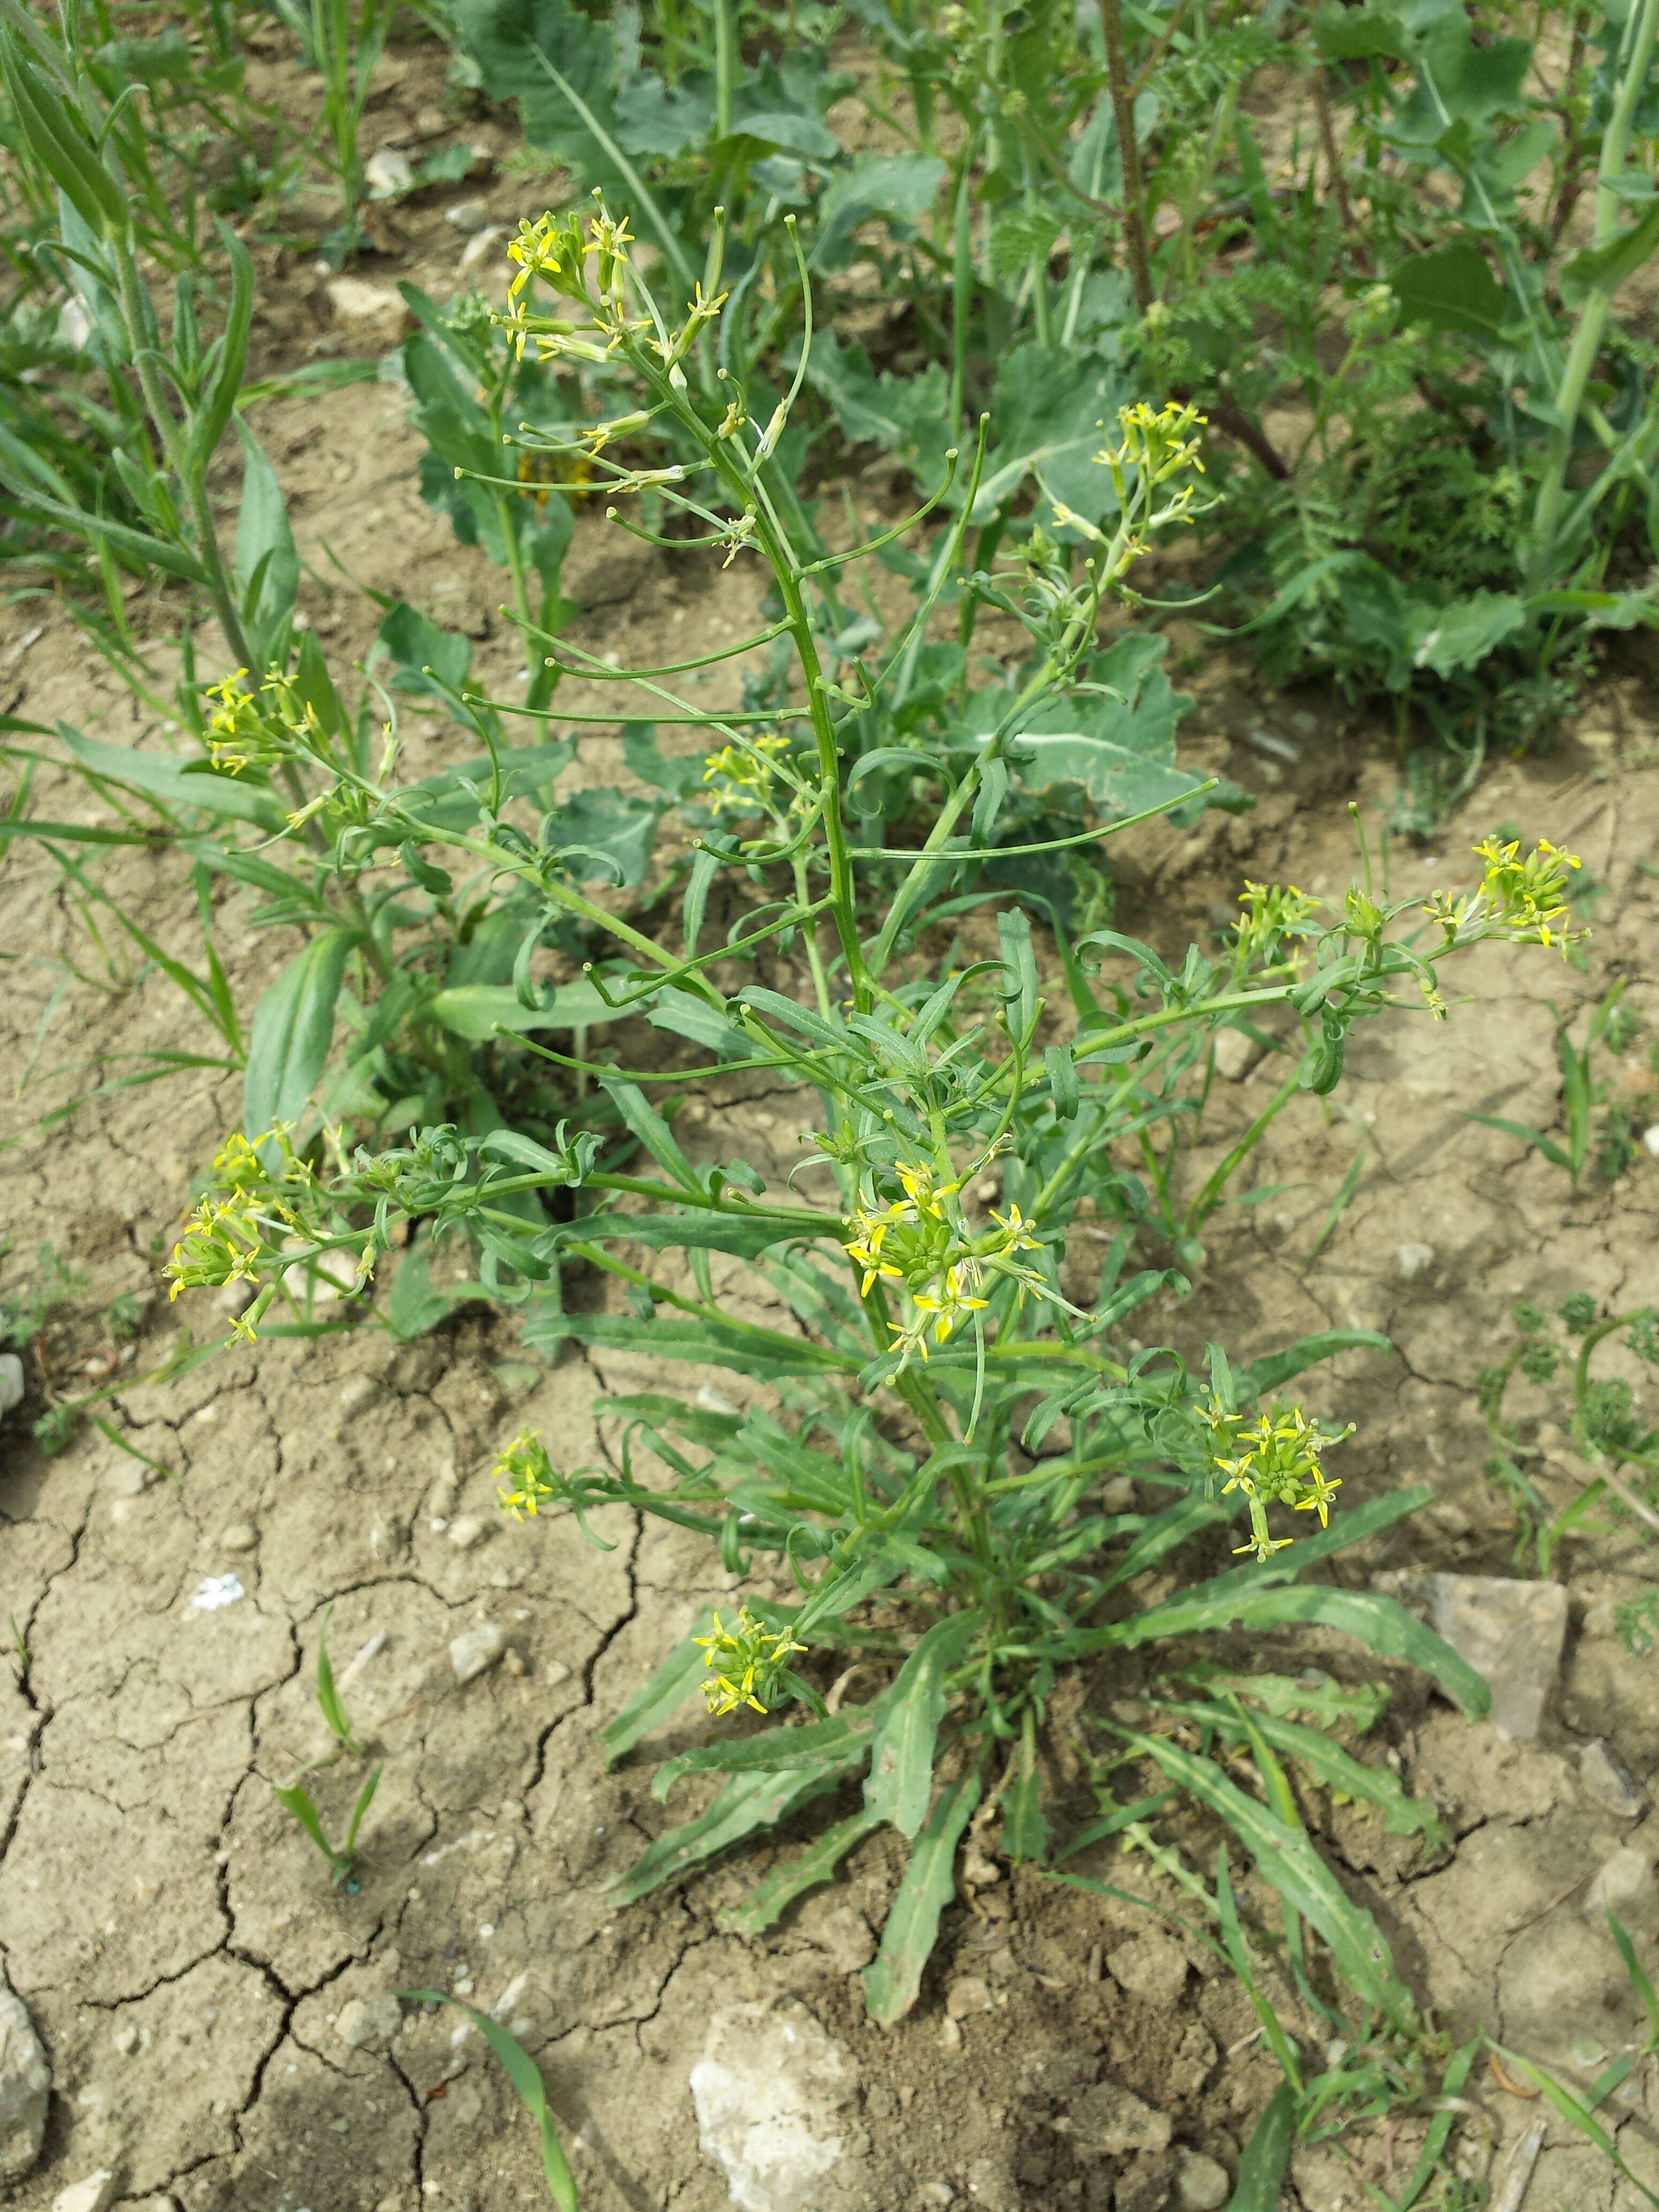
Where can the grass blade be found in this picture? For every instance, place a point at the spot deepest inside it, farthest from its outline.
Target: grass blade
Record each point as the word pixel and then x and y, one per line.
pixel 524 2076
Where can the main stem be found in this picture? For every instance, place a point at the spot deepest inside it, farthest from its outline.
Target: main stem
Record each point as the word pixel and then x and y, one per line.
pixel 1128 146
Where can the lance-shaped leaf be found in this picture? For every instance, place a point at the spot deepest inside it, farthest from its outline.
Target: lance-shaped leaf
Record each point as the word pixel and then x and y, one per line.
pixel 893 1978
pixel 774 1751
pixel 901 1761
pixel 1286 1857
pixel 664 1694
pixel 293 1030
pixel 748 1802
pixel 773 1897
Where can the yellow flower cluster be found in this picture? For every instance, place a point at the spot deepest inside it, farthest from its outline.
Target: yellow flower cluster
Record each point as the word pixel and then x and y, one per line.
pixel 1274 914
pixel 525 1481
pixel 1523 901
pixel 742 779
pixel 745 1664
pixel 1274 1460
pixel 918 1242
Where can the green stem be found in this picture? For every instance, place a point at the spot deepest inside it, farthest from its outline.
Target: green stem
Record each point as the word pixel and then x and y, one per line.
pixel 1593 314
pixel 725 67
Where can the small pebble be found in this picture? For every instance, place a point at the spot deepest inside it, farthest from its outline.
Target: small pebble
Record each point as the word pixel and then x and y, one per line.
pixel 468 216
pixel 241 1536
pixel 967 1997
pixel 466 1532
pixel 476 246
pixel 128 1478
pixel 1605 1778
pixel 11 1382
pixel 477 1649
pixel 1650 1141
pixel 1414 1259
pixel 1202 2184
pixel 127 2038
pixel 91 2195
pixel 363 2022
pixel 388 173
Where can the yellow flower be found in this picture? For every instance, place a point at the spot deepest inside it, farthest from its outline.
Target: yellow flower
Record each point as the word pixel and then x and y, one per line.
pixel 747 1663
pixel 525 1479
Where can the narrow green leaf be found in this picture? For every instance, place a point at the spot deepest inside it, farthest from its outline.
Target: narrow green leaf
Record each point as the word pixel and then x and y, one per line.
pixel 292 1030
pixel 1440 2127
pixel 664 1694
pixel 774 1751
pixel 748 1802
pixel 1378 1621
pixel 523 2073
pixel 1025 1830
pixel 892 1981
pixel 771 1897
pixel 1286 1857
pixel 1261 2171
pixel 1263 1375
pixel 901 1779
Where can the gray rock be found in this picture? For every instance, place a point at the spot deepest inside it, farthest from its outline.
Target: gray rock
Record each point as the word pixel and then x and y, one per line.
pixel 1511 1632
pixel 1604 1778
pixel 11 1382
pixel 1414 1260
pixel 127 1478
pixel 1150 1965
pixel 468 216
pixel 770 2092
pixel 376 313
pixel 92 2195
pixel 1107 2121
pixel 1235 1055
pixel 476 1650
pixel 388 173
pixel 25 2089
pixel 364 2023
pixel 1201 2184
pixel 241 1536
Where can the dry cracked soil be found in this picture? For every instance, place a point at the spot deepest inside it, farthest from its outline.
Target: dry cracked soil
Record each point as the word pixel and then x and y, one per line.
pixel 221 2024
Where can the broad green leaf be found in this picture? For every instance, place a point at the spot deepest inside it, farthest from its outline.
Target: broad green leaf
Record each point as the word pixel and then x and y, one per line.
pixel 292 1030
pixel 1286 1857
pixel 899 187
pixel 1462 634
pixel 1452 288
pixel 892 1981
pixel 748 1802
pixel 523 2073
pixel 416 643
pixel 1288 1697
pixel 1603 269
pixel 773 1896
pixel 664 1694
pixel 774 1751
pixel 606 835
pixel 684 1232
pixel 1115 738
pixel 901 1779
pixel 415 1303
pixel 1261 2170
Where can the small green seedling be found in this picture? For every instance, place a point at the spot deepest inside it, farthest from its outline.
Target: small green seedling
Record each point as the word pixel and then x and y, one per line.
pixel 1579 1093
pixel 522 2072
pixel 328 1701
pixel 342 1864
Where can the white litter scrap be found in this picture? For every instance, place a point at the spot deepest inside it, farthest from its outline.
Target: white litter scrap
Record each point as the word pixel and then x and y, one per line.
pixel 214 1593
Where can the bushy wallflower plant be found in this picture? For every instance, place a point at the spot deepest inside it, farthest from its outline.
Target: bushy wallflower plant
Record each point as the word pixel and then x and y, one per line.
pixel 933 1428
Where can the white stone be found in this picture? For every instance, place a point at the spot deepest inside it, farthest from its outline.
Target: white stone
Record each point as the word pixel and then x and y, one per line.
pixel 1604 1778
pixel 1235 1055
pixel 769 2091
pixel 73 325
pixel 480 244
pixel 364 2022
pixel 214 1593
pixel 476 1650
pixel 128 2039
pixel 11 1382
pixel 466 1532
pixel 470 216
pixel 92 2195
pixel 388 173
pixel 1201 2184
pixel 25 2089
pixel 127 1478
pixel 1414 1260
pixel 379 313
pixel 1650 1141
